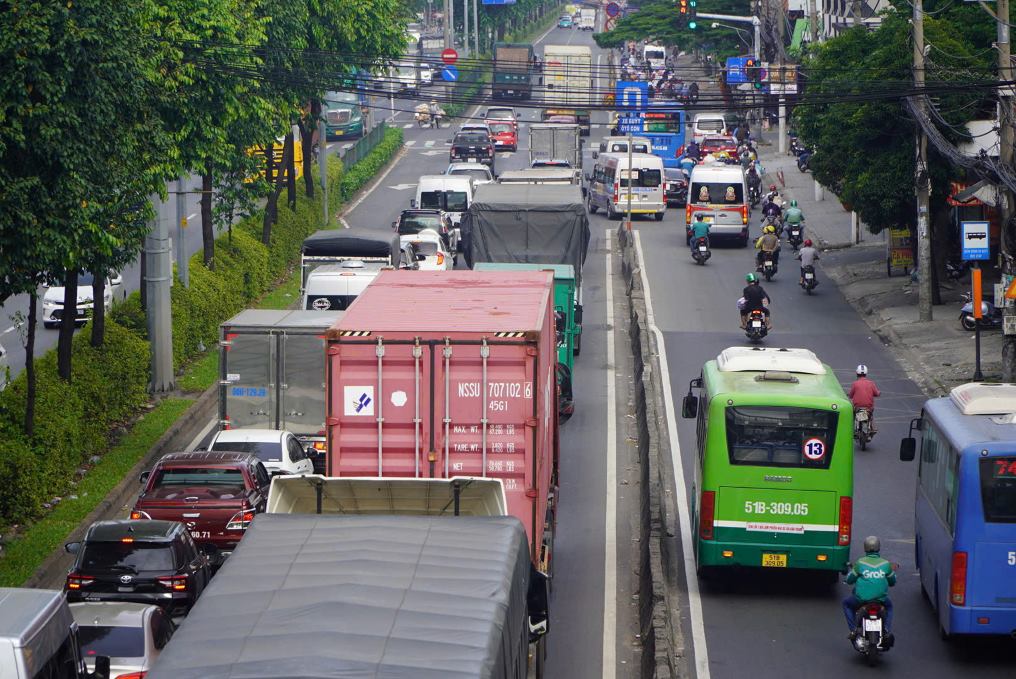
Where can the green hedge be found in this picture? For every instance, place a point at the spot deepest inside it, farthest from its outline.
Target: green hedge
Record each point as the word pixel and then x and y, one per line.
pixel 75 421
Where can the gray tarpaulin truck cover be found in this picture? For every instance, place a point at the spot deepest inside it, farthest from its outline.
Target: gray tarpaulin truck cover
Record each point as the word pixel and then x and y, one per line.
pixel 527 224
pixel 337 596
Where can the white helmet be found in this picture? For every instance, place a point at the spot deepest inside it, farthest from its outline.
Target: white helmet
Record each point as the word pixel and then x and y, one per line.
pixel 862 370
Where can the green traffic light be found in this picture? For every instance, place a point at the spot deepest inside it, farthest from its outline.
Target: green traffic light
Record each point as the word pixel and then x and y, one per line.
pixel 693 25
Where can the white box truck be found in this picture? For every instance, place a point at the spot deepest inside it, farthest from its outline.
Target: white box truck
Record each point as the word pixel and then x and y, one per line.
pixel 568 83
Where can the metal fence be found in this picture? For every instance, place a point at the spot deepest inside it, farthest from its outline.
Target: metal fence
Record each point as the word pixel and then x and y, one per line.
pixel 363 145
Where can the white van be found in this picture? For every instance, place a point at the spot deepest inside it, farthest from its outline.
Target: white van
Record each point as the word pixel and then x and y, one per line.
pixel 608 185
pixel 453 194
pixel 719 192
pixel 655 55
pixel 619 144
pixel 708 123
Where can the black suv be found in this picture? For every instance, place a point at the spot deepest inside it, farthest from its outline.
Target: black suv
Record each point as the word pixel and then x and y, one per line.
pixel 472 146
pixel 148 562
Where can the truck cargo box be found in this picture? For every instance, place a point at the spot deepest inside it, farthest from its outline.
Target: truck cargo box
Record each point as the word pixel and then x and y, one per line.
pixel 527 224
pixel 450 373
pixel 377 597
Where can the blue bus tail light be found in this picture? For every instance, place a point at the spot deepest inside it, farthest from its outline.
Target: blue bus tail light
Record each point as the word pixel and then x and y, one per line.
pixel 958 579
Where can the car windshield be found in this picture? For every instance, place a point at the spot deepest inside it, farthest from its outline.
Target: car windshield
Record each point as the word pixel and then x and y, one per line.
pixel 673 174
pixel 426 248
pixel 474 173
pixel 198 476
pixel 341 98
pixel 711 124
pixel 998 489
pixel 131 557
pixel 780 436
pixel 114 642
pixel 417 223
pixel 551 163
pixel 642 177
pixel 472 138
pixel 502 114
pixel 717 144
pixel 265 451
pixel 717 192
pixel 501 128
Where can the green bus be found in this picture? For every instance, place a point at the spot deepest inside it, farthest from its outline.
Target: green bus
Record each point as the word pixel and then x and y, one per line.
pixel 774 466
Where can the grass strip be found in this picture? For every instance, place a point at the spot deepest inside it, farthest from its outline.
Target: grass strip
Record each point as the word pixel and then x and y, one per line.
pixel 22 556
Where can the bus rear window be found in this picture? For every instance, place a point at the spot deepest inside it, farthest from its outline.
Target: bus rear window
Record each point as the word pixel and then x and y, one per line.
pixel 998 489
pixel 717 193
pixel 780 436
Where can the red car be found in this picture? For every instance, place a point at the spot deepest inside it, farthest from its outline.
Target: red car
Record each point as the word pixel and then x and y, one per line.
pixel 504 135
pixel 215 494
pixel 719 146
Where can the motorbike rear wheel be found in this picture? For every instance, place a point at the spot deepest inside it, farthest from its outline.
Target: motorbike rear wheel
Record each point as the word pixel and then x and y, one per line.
pixel 871 652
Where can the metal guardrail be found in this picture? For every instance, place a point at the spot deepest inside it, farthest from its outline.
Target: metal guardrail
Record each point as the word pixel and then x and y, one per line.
pixel 363 145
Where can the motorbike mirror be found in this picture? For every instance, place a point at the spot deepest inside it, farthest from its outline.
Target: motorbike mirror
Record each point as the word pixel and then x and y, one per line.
pixel 908 449
pixel 689 406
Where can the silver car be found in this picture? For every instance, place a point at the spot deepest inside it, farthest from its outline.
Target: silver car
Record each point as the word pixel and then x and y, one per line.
pixel 131 635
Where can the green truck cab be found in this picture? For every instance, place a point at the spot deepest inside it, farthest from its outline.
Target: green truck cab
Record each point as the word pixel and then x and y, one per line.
pixel 343 115
pixel 567 305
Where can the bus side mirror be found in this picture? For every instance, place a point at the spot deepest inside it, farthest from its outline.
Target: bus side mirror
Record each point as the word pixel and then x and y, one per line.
pixel 689 406
pixel 908 448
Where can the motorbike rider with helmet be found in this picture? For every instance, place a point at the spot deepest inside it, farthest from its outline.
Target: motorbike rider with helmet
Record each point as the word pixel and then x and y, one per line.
pixel 755 298
pixel 871 576
pixel 808 255
pixel 768 242
pixel 793 215
pixel 863 393
pixel 772 197
pixel 699 229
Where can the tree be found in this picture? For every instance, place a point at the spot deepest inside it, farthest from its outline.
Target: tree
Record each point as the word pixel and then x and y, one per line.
pixel 659 21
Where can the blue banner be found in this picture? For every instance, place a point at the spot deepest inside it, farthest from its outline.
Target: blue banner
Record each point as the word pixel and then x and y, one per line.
pixel 631 95
pixel 736 70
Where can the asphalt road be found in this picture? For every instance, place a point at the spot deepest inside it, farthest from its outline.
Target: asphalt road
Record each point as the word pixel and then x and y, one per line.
pixel 757 624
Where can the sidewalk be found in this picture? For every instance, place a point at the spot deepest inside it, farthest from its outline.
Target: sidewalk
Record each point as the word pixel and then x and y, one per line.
pixel 937 355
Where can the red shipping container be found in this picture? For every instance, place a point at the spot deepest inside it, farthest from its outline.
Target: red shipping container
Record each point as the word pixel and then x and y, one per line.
pixel 450 373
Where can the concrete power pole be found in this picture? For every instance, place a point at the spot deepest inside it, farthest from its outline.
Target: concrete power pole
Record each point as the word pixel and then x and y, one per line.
pixel 813 20
pixel 182 262
pixel 476 29
pixel 1005 127
pixel 922 179
pixel 323 170
pixel 158 276
pixel 855 12
pixel 465 28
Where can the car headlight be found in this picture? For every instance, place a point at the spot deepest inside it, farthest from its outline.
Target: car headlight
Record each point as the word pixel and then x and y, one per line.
pixel 49 304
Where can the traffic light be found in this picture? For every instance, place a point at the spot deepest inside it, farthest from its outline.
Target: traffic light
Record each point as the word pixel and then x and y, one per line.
pixel 753 72
pixel 692 13
pixel 682 12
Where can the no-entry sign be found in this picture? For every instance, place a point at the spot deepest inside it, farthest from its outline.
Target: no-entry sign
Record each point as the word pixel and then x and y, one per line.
pixel 449 56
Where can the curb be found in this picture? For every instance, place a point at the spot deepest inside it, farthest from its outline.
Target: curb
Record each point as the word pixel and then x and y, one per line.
pixel 53 570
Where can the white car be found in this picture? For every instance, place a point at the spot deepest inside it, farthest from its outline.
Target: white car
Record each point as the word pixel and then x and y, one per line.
pixel 477 172
pixel 426 74
pixel 431 250
pixel 131 635
pixel 52 301
pixel 279 450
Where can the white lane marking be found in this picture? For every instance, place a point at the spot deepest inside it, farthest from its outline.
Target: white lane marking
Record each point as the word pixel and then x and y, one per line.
pixel 407 126
pixel 428 144
pixel 545 34
pixel 328 146
pixel 203 433
pixel 698 633
pixel 609 670
pixel 411 142
pixel 391 166
pixel 10 329
pixel 346 147
pixel 192 216
pixel 344 223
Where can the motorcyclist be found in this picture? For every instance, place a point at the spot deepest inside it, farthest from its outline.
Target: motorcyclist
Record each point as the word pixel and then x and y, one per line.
pixel 755 298
pixel 772 211
pixel 793 215
pixel 772 197
pixel 686 163
pixel 699 229
pixel 808 256
pixel 753 178
pixel 693 151
pixel 863 393
pixel 435 113
pixel 768 242
pixel 871 576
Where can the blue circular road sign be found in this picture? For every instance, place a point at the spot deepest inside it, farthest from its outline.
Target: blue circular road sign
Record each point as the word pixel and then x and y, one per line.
pixel 449 73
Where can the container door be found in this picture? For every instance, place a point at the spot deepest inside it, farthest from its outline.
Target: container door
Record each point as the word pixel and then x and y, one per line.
pixel 249 390
pixel 302 383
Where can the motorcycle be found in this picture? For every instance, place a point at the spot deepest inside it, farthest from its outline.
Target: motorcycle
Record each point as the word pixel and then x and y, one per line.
pixel 863 433
pixel 795 235
pixel 809 281
pixel 700 253
pixel 804 160
pixel 773 221
pixel 755 327
pixel 991 315
pixel 754 195
pixel 796 147
pixel 870 640
pixel 956 270
pixel 768 267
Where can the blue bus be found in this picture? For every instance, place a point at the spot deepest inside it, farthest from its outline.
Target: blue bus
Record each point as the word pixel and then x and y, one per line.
pixel 663 123
pixel 965 516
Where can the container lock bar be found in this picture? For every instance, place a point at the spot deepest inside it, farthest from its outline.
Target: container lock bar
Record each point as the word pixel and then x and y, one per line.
pixel 484 355
pixel 417 353
pixel 446 352
pixel 379 402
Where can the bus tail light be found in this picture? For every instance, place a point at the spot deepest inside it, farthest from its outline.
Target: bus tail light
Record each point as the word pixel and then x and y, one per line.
pixel 846 518
pixel 706 510
pixel 958 579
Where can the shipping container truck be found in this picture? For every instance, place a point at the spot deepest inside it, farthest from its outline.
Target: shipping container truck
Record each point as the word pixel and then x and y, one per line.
pixel 513 71
pixel 272 374
pixel 451 373
pixel 568 82
pixel 379 597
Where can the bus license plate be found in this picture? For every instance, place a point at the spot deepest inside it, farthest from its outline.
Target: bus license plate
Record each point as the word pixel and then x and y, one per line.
pixel 774 560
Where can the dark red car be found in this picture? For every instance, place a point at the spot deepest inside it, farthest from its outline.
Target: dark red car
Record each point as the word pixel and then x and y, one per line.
pixel 719 146
pixel 215 494
pixel 504 135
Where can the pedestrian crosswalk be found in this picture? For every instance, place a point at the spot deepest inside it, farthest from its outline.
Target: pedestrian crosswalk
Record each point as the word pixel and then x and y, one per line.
pixel 427 144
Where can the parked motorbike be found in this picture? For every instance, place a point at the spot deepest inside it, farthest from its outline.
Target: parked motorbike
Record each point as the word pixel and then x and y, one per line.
pixel 810 281
pixel 795 235
pixel 991 316
pixel 755 329
pixel 870 640
pixel 796 146
pixel 956 270
pixel 768 267
pixel 863 433
pixel 701 253
pixel 804 160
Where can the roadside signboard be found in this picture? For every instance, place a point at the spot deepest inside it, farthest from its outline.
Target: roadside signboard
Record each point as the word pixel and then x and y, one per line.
pixel 974 241
pixel 901 251
pixel 782 78
pixel 613 9
pixel 449 73
pixel 629 125
pixel 449 56
pixel 631 95
pixel 736 71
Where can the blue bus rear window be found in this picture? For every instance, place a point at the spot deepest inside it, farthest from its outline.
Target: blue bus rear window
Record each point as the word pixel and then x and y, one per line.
pixel 998 489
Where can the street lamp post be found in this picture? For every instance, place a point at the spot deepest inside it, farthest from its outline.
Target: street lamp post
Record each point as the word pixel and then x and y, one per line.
pixel 741 33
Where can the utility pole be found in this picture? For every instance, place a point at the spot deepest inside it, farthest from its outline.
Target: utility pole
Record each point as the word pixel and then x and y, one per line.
pixel 855 12
pixel 921 179
pixel 182 263
pixel 1005 157
pixel 323 169
pixel 158 276
pixel 476 29
pixel 465 28
pixel 813 21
